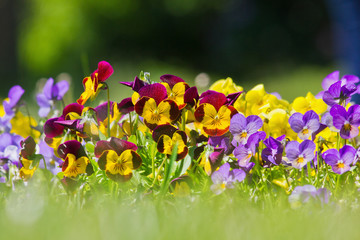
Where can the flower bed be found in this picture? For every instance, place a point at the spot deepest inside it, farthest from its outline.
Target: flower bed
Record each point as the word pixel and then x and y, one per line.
pixel 169 141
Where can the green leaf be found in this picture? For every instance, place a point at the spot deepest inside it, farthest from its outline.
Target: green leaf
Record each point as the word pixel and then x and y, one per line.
pixel 90 147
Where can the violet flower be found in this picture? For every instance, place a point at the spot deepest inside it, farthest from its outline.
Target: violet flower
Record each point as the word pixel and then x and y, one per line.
pixel 303 194
pixel 346 121
pixel 10 149
pixel 53 163
pixel 299 154
pixel 14 96
pixel 222 141
pixel 51 92
pixel 340 160
pixel 304 125
pixel 272 154
pixel 241 127
pixel 224 178
pixel 338 93
pixel 244 152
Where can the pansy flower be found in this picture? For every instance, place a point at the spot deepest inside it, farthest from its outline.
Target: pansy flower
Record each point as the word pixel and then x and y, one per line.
pixel 28 162
pixel 337 91
pixel 9 149
pixel 272 154
pixel 12 102
pixel 224 178
pixel 53 163
pixel 117 158
pixel 175 88
pixel 76 161
pixel 222 141
pixel 213 113
pixel 303 194
pixel 51 92
pixel 299 154
pixel 154 107
pixel 346 121
pixel 242 127
pixel 167 136
pixel 304 125
pixel 341 160
pixel 244 152
pixel 93 83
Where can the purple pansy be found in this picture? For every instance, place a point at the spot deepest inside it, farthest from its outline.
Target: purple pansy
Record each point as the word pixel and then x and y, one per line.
pixel 224 178
pixel 299 154
pixel 244 152
pixel 242 127
pixel 10 149
pixel 340 160
pixel 53 163
pixel 303 194
pixel 304 125
pixel 222 141
pixel 272 154
pixel 339 93
pixel 14 96
pixel 51 92
pixel 346 121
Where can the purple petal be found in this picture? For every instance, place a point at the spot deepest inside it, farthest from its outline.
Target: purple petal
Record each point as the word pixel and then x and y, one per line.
pixel 5 140
pixel 126 106
pixel 338 170
pixel 242 154
pixel 224 170
pixel 156 91
pixel 214 98
pixel 48 87
pixel 74 147
pixel 51 129
pixel 310 115
pixel 349 133
pixel 171 79
pixel 42 100
pixel 62 88
pixel 238 175
pixel 307 148
pixel 296 122
pixel 104 70
pixel 73 107
pixel 217 177
pixel 331 157
pixel 292 150
pixel 232 97
pixel 15 94
pixel 330 99
pixel 347 154
pixel 335 89
pixel 237 123
pixel 254 123
pixel 330 79
pixel 352 79
pixel 191 96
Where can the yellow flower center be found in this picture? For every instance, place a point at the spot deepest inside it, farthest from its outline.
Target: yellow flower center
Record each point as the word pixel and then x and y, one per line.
pixel 340 164
pixel 305 131
pixel 243 134
pixel 300 160
pixel 347 127
pixel 223 186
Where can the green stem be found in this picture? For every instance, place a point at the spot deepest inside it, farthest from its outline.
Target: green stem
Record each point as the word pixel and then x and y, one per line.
pixel 158 172
pixel 309 172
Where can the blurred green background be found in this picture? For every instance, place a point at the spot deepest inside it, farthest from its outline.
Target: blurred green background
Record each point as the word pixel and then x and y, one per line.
pixel 288 45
